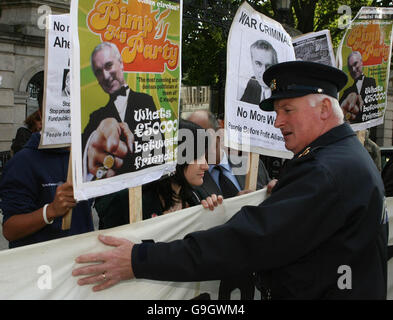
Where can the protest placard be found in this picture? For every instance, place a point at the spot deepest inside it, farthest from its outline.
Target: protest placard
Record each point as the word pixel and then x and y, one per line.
pixel 255 43
pixel 364 54
pixel 56 111
pixel 315 47
pixel 126 77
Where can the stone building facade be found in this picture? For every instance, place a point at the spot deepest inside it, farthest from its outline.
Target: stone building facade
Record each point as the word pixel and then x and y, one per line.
pixel 22 51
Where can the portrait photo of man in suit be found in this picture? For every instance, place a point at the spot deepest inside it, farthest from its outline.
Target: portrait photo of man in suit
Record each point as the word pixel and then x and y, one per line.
pixel 263 56
pixel 109 138
pixel 353 99
pixel 66 87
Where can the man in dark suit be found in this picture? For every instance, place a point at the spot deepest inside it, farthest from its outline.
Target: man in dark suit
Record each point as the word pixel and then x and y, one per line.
pixel 110 138
pixel 263 56
pixel 224 162
pixel 353 99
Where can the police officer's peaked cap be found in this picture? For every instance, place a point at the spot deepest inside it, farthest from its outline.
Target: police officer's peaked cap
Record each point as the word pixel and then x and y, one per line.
pixel 299 78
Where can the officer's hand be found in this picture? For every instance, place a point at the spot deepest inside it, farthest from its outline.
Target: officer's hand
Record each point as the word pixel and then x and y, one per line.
pixel 212 201
pixel 272 183
pixel 63 201
pixel 106 149
pixel 244 192
pixel 114 265
pixel 177 206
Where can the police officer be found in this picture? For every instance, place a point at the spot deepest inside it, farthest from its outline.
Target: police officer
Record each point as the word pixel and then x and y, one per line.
pixel 322 234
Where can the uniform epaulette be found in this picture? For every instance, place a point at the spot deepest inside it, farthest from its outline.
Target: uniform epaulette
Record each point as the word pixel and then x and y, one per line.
pixel 305 152
pixel 308 151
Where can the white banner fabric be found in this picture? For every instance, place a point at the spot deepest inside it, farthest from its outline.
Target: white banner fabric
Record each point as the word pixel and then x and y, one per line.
pixel 43 270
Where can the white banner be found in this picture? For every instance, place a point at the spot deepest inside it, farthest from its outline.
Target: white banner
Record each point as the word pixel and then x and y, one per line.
pixel 43 270
pixel 255 43
pixel 56 128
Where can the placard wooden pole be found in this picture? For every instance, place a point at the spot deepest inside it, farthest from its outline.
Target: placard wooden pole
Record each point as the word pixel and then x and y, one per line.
pixel 135 203
pixel 361 136
pixel 252 172
pixel 66 222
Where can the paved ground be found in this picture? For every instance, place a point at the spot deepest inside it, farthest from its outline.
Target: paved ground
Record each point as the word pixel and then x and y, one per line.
pixel 4 242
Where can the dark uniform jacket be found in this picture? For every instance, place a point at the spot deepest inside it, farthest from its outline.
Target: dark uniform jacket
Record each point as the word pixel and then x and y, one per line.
pixel 324 220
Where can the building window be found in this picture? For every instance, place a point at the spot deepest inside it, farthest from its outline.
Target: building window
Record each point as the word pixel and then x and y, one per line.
pixel 34 90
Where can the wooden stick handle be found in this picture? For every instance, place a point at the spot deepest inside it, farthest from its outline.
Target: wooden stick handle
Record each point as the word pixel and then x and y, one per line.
pixel 361 136
pixel 66 222
pixel 135 203
pixel 252 173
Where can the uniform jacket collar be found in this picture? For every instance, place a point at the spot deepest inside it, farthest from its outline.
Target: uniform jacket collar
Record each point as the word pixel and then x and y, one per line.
pixel 337 133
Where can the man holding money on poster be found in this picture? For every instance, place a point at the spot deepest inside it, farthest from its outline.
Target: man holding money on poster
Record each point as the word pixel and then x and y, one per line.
pixel 263 56
pixel 353 100
pixel 109 137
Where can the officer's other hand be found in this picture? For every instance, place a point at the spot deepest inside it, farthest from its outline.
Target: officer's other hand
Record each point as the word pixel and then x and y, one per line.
pixel 177 206
pixel 63 201
pixel 272 183
pixel 106 140
pixel 212 201
pixel 244 192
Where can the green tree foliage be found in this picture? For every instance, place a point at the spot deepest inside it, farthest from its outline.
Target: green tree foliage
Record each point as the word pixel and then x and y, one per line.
pixel 206 26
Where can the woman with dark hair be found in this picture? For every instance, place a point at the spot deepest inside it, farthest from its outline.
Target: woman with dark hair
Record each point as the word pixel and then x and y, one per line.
pixel 169 194
pixel 33 124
